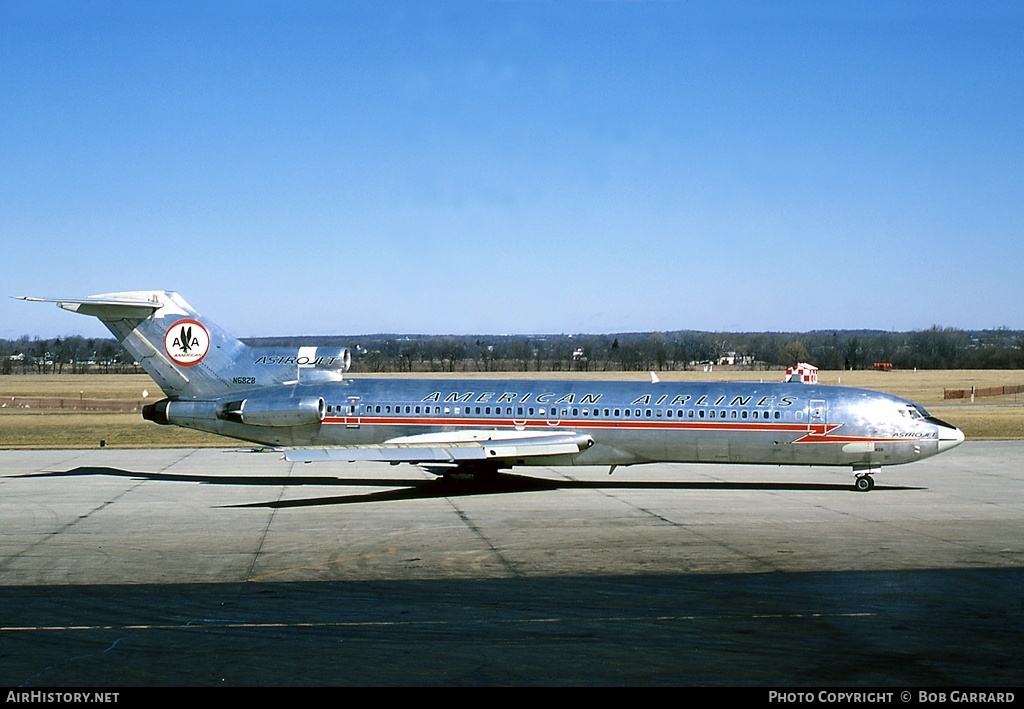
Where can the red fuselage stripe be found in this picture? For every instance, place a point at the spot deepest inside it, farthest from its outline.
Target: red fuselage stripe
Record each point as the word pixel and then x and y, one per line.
pixel 813 433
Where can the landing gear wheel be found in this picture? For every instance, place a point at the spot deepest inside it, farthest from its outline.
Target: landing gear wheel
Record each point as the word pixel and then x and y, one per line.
pixel 864 483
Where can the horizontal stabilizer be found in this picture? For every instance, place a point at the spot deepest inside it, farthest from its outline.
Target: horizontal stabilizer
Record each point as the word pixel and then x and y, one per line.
pixel 103 307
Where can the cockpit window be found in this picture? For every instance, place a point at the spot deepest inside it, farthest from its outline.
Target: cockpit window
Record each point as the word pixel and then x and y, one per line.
pixel 914 411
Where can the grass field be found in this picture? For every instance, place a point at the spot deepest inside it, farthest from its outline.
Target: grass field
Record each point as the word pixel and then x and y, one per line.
pixel 986 418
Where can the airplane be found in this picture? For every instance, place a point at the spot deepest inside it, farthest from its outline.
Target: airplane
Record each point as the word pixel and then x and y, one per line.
pixel 300 399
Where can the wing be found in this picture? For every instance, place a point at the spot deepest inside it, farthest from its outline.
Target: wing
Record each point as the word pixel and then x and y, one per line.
pixel 454 447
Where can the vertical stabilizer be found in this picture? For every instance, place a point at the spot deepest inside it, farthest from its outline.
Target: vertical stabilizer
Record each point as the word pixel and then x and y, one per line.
pixel 187 355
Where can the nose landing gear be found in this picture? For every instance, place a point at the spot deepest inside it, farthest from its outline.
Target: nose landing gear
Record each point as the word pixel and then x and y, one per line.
pixel 864 483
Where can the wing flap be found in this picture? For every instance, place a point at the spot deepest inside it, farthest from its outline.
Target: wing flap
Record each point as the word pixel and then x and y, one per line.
pixel 458 447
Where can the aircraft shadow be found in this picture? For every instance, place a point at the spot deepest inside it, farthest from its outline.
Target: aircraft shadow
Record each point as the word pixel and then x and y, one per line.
pixel 418 489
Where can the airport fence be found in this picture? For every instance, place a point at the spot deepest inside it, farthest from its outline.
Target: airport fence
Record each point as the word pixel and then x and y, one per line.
pixel 70 404
pixel 972 392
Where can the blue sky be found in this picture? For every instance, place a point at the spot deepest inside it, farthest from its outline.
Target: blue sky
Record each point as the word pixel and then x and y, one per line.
pixel 516 167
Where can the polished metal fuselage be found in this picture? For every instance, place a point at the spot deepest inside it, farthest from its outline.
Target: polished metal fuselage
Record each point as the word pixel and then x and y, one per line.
pixel 630 422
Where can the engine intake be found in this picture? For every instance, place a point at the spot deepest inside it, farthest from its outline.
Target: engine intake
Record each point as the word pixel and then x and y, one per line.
pixel 330 358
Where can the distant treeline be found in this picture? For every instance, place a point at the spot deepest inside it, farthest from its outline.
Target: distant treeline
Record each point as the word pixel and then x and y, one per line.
pixel 935 348
pixel 64 355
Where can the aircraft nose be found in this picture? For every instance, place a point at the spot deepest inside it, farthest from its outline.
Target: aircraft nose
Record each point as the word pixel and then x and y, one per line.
pixel 949 437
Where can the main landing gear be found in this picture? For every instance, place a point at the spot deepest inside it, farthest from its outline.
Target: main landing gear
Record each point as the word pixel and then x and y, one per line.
pixel 482 471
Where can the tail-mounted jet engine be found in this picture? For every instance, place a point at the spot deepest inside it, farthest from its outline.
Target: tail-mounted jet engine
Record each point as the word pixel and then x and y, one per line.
pixel 274 411
pixel 323 363
pixel 259 410
pixel 331 358
pixel 306 364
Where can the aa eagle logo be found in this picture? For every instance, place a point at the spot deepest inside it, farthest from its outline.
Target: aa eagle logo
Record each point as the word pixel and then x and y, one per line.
pixel 187 342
